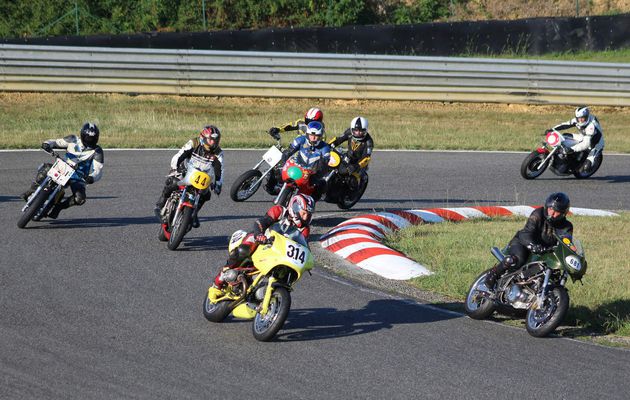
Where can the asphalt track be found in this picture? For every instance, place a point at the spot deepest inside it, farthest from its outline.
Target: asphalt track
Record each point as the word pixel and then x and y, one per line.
pixel 93 306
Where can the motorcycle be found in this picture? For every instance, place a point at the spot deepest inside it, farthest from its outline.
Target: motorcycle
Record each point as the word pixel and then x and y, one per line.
pixel 553 154
pixel 538 287
pixel 248 183
pixel 51 189
pixel 260 288
pixel 182 205
pixel 345 190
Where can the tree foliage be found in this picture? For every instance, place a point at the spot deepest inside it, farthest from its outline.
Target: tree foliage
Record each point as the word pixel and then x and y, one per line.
pixel 64 17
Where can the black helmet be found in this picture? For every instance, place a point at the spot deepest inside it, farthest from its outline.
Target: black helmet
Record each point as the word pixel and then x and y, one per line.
pixel 89 134
pixel 559 202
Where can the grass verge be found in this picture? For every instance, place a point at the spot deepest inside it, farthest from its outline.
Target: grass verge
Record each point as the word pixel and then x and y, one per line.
pixel 458 252
pixel 26 119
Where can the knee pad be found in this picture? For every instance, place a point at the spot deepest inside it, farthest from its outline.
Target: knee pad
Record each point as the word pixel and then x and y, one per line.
pixel 79 198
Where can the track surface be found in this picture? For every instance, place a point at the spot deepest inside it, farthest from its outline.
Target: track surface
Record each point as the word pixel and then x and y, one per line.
pixel 93 306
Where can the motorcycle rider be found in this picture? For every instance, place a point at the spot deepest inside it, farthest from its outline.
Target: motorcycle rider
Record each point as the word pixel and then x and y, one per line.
pixel 84 148
pixel 590 136
pixel 311 151
pixel 537 235
pixel 313 114
pixel 205 145
pixel 298 214
pixel 360 145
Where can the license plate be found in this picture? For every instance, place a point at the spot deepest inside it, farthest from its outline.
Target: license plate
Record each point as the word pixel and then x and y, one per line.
pixel 60 172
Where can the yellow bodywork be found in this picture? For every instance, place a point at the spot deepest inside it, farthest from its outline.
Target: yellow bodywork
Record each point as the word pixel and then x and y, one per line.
pixel 200 180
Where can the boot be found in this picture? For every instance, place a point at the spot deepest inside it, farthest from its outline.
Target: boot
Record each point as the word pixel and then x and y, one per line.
pixel 62 205
pixel 24 196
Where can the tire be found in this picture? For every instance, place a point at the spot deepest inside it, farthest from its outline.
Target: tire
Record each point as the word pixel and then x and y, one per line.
pixel 596 164
pixel 478 309
pixel 265 327
pixel 180 227
pixel 243 187
pixel 542 322
pixel 346 203
pixel 162 235
pixel 37 203
pixel 216 312
pixel 532 160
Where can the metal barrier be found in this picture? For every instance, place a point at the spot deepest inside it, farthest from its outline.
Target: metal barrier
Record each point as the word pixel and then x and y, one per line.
pixel 238 73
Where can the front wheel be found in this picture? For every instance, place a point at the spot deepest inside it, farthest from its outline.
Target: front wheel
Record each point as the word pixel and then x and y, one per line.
pixel 246 185
pixel 215 312
pixel 180 227
pixel 347 200
pixel 266 326
pixel 532 166
pixel 478 305
pixel 30 212
pixel 587 169
pixel 542 321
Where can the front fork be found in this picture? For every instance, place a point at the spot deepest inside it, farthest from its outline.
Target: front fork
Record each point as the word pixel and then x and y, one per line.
pixel 264 307
pixel 181 204
pixel 543 293
pixel 551 153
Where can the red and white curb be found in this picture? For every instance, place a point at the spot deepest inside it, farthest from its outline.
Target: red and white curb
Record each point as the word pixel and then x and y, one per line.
pixel 358 239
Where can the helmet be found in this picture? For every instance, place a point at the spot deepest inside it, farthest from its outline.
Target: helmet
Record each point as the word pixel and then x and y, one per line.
pixel 300 209
pixel 583 112
pixel 89 134
pixel 359 127
pixel 558 202
pixel 209 137
pixel 313 114
pixel 315 128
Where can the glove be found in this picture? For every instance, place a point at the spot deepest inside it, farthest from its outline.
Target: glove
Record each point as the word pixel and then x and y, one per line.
pixel 217 188
pixel 274 132
pixel 47 147
pixel 260 238
pixel 568 150
pixel 536 248
pixel 89 180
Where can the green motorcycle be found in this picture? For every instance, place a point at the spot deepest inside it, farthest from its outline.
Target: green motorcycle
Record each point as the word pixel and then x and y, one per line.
pixel 538 287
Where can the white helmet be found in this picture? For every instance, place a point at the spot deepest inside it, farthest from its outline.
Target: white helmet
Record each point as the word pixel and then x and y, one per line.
pixel 358 127
pixel 316 129
pixel 583 112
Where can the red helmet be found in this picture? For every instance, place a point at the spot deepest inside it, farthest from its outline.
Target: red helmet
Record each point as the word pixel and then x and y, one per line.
pixel 313 114
pixel 210 137
pixel 300 208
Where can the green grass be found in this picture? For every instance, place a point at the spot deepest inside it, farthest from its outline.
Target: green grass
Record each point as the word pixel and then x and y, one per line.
pixel 458 252
pixel 26 119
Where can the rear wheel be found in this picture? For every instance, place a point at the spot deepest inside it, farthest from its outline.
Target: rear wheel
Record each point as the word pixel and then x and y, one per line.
pixel 266 326
pixel 246 185
pixel 478 305
pixel 179 228
pixel 36 204
pixel 587 169
pixel 542 321
pixel 532 167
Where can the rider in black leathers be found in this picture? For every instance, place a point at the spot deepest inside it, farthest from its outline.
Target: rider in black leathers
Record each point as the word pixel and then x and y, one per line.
pixel 536 237
pixel 360 145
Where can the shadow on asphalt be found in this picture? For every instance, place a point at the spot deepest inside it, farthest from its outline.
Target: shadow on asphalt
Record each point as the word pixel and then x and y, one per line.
pixel 608 178
pixel 205 243
pixel 325 323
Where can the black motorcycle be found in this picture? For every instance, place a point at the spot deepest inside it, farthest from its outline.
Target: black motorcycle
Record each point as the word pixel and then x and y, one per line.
pixel 344 189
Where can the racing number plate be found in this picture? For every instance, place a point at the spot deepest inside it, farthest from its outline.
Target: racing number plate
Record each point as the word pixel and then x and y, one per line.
pixel 60 172
pixel 272 156
pixel 296 253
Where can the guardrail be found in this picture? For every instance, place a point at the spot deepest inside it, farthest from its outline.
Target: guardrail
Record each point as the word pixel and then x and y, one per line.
pixel 238 73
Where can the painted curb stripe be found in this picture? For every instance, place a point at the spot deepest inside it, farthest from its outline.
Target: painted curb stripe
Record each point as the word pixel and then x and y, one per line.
pixel 359 239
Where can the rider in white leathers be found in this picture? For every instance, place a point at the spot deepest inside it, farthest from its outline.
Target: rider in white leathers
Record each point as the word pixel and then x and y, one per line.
pixel 590 135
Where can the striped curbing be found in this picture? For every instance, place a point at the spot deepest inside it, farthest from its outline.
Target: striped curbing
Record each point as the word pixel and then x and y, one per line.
pixel 358 239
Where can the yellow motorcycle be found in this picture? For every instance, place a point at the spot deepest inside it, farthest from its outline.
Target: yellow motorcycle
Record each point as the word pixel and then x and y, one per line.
pixel 260 287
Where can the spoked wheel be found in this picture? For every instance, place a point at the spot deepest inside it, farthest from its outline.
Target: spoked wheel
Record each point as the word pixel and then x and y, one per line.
pixel 348 200
pixel 266 326
pixel 587 169
pixel 246 185
pixel 180 227
pixel 478 305
pixel 532 166
pixel 30 212
pixel 542 321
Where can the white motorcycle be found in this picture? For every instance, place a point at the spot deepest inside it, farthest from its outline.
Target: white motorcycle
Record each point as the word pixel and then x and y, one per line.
pixel 249 182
